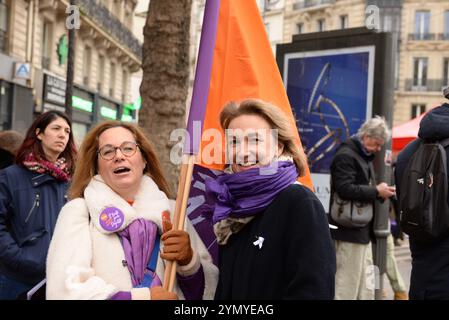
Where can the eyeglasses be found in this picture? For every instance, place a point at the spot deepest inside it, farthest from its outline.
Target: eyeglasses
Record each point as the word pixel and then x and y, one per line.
pixel 128 149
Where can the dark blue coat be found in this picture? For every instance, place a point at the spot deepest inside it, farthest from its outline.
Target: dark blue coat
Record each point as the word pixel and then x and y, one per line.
pixel 430 263
pixel 29 206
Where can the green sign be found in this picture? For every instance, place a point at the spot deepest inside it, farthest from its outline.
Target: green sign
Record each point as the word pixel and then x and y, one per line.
pixel 63 50
pixel 82 104
pixel 134 106
pixel 127 114
pixel 108 113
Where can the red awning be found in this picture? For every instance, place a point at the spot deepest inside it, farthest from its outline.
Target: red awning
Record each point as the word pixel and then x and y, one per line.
pixel 406 132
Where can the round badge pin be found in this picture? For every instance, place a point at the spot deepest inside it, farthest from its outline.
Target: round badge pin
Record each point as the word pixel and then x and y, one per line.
pixel 111 219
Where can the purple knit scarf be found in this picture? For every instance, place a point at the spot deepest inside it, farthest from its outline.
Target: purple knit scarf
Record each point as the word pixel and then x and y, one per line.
pixel 249 192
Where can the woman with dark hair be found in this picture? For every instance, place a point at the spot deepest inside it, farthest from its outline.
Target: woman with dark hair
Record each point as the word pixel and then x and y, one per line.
pixel 32 192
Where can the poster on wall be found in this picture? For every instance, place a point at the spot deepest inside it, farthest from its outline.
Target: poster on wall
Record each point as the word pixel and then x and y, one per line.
pixel 331 94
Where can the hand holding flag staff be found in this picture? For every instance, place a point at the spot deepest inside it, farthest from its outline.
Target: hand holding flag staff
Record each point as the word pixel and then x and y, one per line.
pixel 235 62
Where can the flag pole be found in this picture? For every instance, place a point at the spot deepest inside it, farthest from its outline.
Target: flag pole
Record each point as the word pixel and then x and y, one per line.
pixel 180 213
pixel 197 111
pixel 181 188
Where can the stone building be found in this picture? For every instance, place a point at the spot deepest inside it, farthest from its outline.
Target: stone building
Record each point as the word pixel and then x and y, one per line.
pixel 33 55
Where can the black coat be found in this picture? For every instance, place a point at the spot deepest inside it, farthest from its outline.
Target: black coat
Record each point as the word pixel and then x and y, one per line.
pixel 349 180
pixel 430 262
pixel 296 261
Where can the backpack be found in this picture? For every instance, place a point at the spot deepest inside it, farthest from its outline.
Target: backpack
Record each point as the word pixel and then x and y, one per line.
pixel 423 200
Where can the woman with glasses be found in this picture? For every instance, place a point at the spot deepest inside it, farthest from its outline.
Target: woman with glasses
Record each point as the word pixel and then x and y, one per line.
pixel 108 237
pixel 32 192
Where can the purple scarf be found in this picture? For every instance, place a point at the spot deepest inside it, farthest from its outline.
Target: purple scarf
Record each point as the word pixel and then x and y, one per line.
pixel 249 192
pixel 138 243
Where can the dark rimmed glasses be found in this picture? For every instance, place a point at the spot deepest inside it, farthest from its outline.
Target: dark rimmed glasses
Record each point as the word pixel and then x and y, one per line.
pixel 128 149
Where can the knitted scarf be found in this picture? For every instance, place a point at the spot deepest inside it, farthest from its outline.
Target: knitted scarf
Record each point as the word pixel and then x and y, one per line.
pixel 238 197
pixel 57 170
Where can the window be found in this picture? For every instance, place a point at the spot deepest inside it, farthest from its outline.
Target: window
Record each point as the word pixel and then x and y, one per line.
pixel 128 19
pixel 79 131
pixel 87 58
pixel 46 44
pixel 112 80
pixel 422 25
pixel 100 73
pixel 446 72
pixel 124 85
pixel 321 25
pixel 267 28
pixel 418 109
pixel 4 22
pixel 390 22
pixel 299 28
pixel 420 72
pixel 387 24
pixel 446 25
pixel 343 22
pixel 118 9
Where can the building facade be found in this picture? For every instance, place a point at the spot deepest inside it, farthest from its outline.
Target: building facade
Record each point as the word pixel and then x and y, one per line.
pixel 34 48
pixel 424 57
pixel 422 28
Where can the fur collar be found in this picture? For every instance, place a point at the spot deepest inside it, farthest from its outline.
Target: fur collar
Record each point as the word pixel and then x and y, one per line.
pixel 149 204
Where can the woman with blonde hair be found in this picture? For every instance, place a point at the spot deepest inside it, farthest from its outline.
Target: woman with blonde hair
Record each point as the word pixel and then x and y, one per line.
pixel 106 242
pixel 273 235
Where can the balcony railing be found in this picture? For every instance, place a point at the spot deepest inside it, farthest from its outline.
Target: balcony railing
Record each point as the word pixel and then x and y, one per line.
pixel 443 36
pixel 421 36
pixel 430 85
pixel 304 4
pixel 111 24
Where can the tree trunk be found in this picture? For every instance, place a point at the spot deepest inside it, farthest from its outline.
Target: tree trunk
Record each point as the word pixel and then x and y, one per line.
pixel 164 87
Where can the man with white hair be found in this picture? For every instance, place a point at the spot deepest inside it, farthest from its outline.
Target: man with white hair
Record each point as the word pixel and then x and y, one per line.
pixel 353 186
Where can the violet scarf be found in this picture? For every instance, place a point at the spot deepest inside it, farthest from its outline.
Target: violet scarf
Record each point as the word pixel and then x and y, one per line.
pixel 247 193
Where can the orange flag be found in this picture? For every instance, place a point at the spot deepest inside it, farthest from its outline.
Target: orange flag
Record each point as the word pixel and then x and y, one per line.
pixel 243 66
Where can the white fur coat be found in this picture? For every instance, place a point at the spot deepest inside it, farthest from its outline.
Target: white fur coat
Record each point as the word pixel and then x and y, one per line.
pixel 85 261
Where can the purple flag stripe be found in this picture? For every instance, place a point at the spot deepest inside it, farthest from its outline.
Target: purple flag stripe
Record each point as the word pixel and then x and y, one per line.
pixel 203 74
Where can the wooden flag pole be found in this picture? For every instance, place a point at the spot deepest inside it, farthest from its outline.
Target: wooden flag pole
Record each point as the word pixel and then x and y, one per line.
pixel 182 198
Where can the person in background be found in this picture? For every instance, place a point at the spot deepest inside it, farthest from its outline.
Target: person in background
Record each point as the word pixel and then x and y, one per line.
pixel 353 178
pixel 32 192
pixel 10 142
pixel 429 278
pixel 108 237
pixel 273 235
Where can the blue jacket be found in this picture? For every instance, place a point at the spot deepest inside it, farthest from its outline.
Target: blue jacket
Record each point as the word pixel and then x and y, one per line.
pixel 29 206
